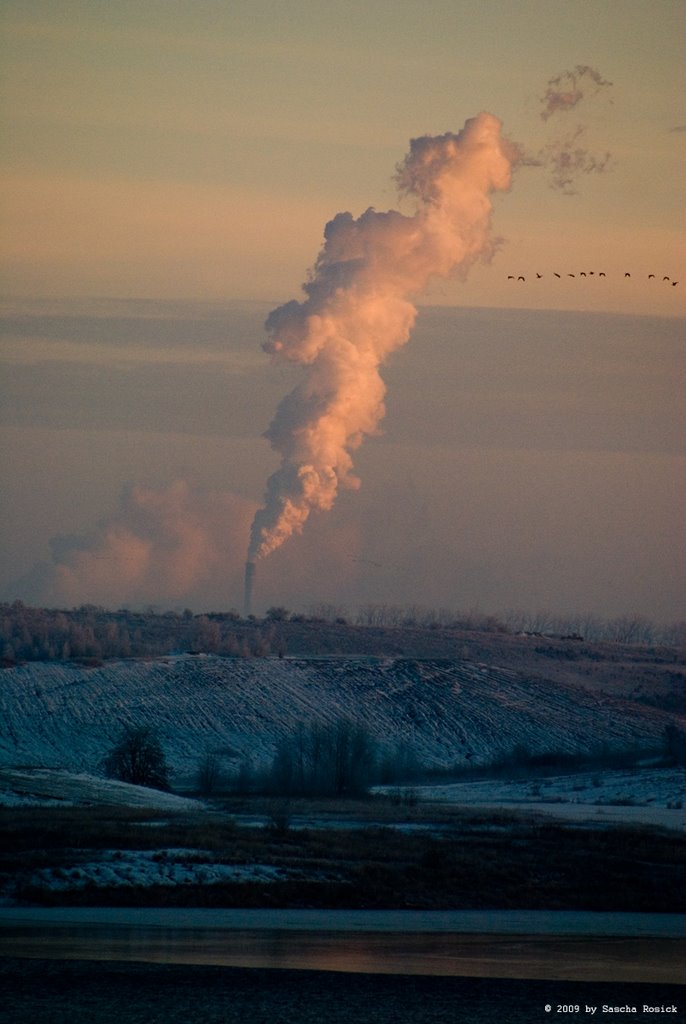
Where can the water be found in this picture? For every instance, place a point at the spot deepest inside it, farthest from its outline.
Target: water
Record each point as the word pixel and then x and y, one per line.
pixel 647 948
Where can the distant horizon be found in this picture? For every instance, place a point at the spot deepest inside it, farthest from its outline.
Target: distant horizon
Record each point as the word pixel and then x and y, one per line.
pixel 273 302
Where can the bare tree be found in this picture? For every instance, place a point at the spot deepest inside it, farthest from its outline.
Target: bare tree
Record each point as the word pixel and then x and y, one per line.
pixel 674 634
pixel 325 760
pixel 209 774
pixel 675 743
pixel 631 629
pixel 328 612
pixel 138 758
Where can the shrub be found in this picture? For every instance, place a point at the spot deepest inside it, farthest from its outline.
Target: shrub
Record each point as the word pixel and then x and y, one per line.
pixel 277 614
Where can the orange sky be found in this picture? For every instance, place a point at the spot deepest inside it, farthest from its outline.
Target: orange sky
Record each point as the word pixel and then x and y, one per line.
pixel 197 150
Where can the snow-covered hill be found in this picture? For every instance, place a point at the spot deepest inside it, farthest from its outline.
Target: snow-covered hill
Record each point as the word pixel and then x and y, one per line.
pixel 56 787
pixel 60 715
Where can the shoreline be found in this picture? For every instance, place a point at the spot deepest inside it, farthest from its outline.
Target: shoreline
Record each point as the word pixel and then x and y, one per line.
pixel 626 924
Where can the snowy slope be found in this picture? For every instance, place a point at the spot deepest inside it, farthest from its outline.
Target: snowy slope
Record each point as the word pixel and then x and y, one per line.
pixel 57 787
pixel 60 715
pixel 647 797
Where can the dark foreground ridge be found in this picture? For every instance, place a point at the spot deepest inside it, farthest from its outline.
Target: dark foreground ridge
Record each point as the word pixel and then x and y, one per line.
pixel 80 992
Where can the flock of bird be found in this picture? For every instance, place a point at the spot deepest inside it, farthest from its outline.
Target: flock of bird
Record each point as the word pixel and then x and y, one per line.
pixel 590 273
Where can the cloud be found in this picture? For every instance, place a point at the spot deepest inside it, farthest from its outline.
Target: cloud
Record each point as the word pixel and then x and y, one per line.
pixel 159 545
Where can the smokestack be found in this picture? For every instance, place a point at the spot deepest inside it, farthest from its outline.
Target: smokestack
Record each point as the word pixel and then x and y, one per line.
pixel 247 590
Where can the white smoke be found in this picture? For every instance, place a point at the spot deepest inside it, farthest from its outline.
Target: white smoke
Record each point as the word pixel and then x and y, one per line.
pixel 358 310
pixel 171 544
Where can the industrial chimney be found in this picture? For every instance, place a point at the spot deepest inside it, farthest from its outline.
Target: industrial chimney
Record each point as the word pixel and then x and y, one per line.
pixel 247 590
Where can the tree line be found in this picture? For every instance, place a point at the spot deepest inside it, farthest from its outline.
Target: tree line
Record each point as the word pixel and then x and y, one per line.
pixel 92 633
pixel 343 760
pixel 338 759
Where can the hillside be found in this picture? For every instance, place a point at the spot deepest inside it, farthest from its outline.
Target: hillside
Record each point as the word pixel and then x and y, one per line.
pixel 450 711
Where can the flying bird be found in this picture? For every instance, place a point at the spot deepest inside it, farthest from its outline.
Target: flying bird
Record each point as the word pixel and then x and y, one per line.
pixel 539 276
pixel 627 274
pixel 665 278
pixel 520 278
pixel 650 275
pixel 674 284
pixel 583 273
pixel 510 277
pixel 601 274
pixel 556 273
pixel 571 275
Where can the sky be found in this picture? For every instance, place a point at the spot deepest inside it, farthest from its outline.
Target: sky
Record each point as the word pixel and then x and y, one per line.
pixel 168 172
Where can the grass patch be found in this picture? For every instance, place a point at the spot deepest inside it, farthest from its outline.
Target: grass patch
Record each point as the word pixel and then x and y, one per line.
pixel 474 860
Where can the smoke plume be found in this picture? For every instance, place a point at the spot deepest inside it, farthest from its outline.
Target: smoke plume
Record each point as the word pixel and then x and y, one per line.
pixel 358 310
pixel 567 156
pixel 569 88
pixel 173 544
